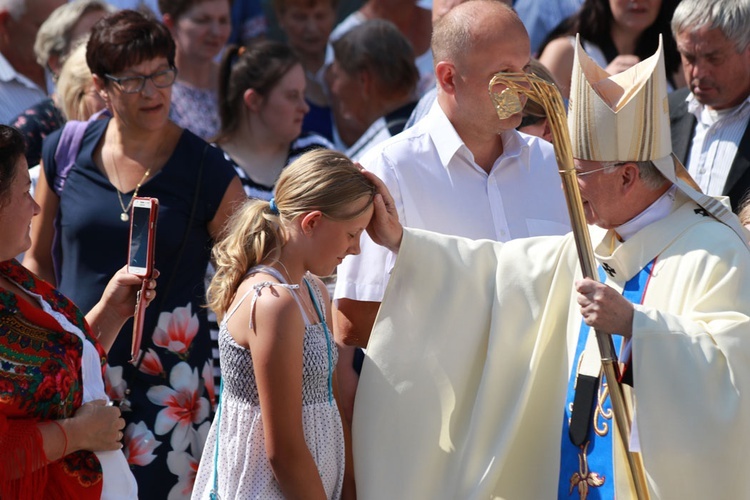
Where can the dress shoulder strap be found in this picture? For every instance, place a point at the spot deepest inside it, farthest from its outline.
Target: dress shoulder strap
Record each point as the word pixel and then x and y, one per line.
pixel 258 287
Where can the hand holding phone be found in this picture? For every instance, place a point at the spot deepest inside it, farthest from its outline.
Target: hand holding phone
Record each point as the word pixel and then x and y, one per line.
pixel 141 260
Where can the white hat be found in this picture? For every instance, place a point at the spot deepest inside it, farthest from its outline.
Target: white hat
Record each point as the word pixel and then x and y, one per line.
pixel 625 117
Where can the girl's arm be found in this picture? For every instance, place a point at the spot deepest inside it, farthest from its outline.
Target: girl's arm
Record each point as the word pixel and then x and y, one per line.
pixel 276 343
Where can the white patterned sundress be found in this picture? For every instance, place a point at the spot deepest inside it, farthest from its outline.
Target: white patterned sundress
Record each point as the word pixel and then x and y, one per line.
pixel 244 471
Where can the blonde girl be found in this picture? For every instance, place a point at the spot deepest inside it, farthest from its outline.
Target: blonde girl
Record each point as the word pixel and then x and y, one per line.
pixel 279 430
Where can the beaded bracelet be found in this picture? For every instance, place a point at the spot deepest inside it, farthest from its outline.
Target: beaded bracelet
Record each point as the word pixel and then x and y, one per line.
pixel 65 437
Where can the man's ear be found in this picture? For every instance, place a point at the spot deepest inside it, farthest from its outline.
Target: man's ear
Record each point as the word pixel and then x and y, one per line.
pixel 629 174
pixel 310 221
pixel 445 74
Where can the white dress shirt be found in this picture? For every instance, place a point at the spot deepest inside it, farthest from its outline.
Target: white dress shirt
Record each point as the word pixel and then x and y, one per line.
pixel 715 142
pixel 436 185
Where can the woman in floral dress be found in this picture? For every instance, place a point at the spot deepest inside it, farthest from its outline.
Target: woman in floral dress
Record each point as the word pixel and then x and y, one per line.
pixel 139 151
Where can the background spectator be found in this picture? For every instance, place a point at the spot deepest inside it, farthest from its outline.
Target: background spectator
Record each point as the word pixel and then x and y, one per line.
pixel 263 105
pixel 709 119
pixel 414 22
pixel 63 29
pixel 249 21
pixel 373 83
pixel 200 29
pixel 542 16
pixel 23 82
pixel 307 25
pixel 76 92
pixel 616 34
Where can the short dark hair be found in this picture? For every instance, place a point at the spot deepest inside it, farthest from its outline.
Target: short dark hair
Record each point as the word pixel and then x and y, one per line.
pixel 12 147
pixel 125 39
pixel 377 45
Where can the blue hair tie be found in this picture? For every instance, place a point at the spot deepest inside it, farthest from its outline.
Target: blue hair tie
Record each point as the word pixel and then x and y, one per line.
pixel 273 207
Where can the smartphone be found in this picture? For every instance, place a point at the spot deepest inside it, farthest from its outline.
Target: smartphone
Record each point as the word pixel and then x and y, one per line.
pixel 141 261
pixel 142 236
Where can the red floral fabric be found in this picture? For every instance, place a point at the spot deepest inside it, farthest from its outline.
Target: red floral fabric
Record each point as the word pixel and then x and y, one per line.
pixel 40 379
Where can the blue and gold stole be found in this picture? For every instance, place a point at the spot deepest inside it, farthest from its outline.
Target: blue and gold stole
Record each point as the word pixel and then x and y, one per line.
pixel 586 469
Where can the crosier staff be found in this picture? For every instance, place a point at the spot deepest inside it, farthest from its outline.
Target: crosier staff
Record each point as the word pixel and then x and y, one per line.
pixel 507 103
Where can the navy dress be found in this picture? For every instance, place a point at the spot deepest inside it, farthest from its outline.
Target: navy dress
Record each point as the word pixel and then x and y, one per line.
pixel 171 393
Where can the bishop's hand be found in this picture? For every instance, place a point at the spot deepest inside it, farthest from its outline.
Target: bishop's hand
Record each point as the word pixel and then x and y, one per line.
pixel 384 228
pixel 604 309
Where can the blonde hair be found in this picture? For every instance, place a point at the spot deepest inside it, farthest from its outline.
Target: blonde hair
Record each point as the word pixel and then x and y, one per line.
pixel 75 80
pixel 322 180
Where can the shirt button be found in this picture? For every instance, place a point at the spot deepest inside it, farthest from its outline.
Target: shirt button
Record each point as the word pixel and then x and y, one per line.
pixel 702 171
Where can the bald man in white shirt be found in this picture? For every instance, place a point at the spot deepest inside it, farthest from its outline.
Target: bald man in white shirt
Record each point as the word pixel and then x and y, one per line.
pixel 459 171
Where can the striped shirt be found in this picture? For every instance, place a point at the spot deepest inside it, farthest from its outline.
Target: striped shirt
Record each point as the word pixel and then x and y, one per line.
pixel 715 142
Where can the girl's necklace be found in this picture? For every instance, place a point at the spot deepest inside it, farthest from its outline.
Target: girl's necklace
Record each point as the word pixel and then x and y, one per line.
pixel 305 303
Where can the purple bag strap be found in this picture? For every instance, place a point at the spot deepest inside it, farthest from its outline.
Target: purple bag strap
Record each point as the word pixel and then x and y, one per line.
pixel 68 147
pixel 67 151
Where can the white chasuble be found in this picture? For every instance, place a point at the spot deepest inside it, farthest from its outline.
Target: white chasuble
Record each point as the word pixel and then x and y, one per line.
pixel 462 392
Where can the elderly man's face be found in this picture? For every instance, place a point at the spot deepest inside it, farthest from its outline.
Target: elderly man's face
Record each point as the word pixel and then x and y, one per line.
pixel 717 74
pixel 598 187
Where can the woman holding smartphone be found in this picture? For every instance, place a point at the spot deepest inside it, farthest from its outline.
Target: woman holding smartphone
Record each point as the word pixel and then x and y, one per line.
pixel 140 152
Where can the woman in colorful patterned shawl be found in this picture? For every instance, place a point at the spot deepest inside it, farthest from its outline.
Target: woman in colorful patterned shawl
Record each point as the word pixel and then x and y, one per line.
pixel 58 436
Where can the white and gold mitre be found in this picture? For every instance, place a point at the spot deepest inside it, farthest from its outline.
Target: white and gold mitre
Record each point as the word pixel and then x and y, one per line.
pixel 625 117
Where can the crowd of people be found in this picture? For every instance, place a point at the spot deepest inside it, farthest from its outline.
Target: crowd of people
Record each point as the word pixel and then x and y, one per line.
pixel 368 276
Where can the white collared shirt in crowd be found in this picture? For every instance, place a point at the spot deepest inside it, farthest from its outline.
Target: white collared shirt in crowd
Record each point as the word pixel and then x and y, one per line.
pixel 436 185
pixel 715 142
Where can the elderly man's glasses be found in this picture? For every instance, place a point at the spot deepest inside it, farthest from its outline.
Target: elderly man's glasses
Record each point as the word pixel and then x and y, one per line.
pixel 611 165
pixel 134 84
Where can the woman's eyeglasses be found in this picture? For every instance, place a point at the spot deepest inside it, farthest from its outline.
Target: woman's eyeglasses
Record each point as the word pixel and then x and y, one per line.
pixel 134 84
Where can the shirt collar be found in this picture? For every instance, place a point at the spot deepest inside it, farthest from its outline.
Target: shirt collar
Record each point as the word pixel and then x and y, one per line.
pixel 444 136
pixel 697 109
pixel 8 73
pixel 448 143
